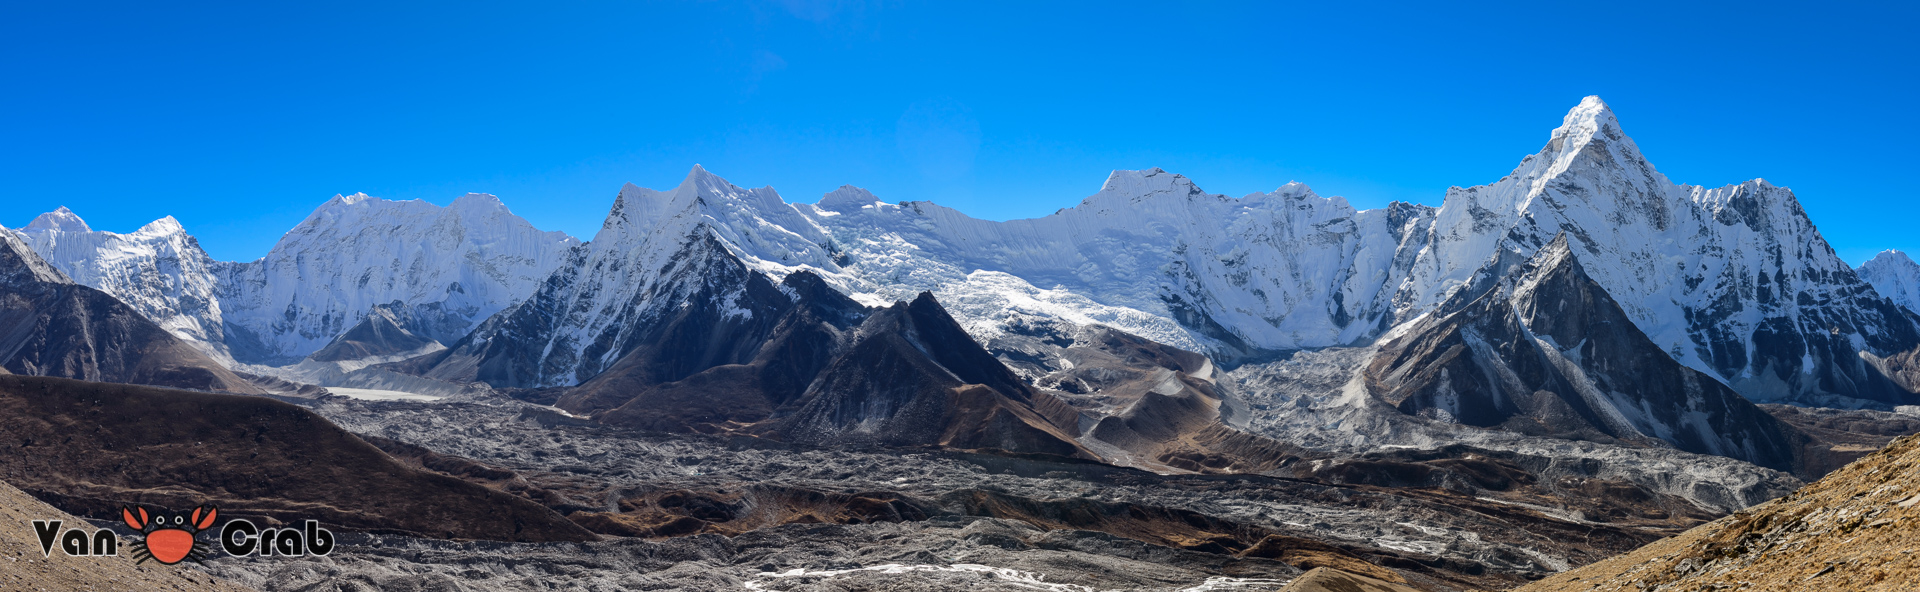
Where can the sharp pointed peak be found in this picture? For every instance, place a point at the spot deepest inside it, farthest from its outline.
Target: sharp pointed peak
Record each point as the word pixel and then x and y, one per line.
pixel 1137 185
pixel 1890 257
pixel 60 219
pixel 165 225
pixel 1589 118
pixel 701 175
pixel 703 182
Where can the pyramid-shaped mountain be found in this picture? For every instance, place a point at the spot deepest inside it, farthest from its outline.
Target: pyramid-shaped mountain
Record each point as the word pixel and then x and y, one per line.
pixel 1546 351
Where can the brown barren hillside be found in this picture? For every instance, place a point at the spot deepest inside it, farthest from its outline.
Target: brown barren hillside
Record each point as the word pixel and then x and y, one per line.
pixel 89 447
pixel 22 566
pixel 1857 530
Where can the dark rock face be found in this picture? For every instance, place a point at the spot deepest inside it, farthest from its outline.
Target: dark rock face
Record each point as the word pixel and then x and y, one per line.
pixel 705 367
pixel 382 333
pixel 50 326
pixel 90 447
pixel 512 348
pixel 912 376
pixel 713 346
pixel 1547 352
pixel 1815 322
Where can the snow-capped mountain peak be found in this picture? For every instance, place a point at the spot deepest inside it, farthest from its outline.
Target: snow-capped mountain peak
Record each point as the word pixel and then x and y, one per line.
pixel 455 265
pixel 1123 187
pixel 62 219
pixel 163 226
pixel 1895 276
pixel 349 199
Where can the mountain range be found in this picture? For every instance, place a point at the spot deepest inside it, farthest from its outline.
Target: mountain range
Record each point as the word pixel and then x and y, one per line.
pixel 450 267
pixel 1730 292
pixel 1571 361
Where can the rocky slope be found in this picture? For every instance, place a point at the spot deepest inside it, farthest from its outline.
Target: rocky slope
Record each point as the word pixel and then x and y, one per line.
pixel 909 375
pixel 1853 530
pixel 90 447
pixel 51 326
pixel 26 569
pixel 382 333
pixel 1545 351
pixel 450 268
pixel 717 347
pixel 787 507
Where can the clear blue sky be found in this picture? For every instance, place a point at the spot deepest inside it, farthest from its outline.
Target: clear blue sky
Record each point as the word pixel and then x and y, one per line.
pixel 240 119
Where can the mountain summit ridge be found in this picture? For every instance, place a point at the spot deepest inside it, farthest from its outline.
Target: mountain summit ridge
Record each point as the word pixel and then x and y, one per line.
pixel 1733 281
pixel 456 265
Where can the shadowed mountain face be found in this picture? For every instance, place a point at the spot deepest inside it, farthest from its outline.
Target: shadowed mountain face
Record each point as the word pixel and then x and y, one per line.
pixel 912 376
pixel 515 347
pixel 50 326
pixel 809 365
pixel 706 366
pixel 89 447
pixel 1546 351
pixel 382 333
pixel 713 346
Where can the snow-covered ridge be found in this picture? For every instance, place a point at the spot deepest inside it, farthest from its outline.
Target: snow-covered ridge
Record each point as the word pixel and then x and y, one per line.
pixel 1895 276
pixel 159 270
pixel 1724 279
pixel 1733 281
pixel 454 265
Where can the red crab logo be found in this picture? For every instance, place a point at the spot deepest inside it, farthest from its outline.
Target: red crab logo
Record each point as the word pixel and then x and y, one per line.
pixel 169 537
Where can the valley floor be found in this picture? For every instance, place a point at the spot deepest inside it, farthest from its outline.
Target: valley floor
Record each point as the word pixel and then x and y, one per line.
pixel 797 518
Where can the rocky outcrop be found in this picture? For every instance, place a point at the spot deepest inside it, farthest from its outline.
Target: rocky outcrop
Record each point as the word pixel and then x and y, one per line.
pixel 1546 351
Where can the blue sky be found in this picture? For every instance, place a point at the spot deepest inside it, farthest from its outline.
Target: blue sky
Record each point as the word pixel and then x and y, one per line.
pixel 240 119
